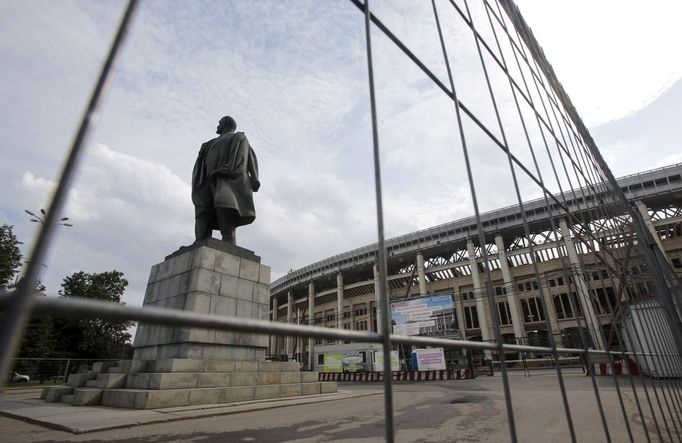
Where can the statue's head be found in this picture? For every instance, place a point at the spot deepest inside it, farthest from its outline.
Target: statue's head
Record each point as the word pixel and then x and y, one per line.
pixel 226 124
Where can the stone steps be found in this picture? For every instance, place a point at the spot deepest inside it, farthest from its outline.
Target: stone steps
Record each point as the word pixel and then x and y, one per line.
pixel 180 380
pixel 153 399
pixel 54 394
pixel 79 380
pixel 86 397
pixel 138 384
pixel 198 365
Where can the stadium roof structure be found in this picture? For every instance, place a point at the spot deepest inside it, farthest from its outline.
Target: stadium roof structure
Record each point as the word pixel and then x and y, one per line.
pixel 657 189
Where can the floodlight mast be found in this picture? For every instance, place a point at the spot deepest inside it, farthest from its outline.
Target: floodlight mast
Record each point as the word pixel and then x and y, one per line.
pixel 43 217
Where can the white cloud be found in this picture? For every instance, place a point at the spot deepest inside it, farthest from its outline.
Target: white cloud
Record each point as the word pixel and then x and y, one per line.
pixel 127 213
pixel 613 57
pixel 670 160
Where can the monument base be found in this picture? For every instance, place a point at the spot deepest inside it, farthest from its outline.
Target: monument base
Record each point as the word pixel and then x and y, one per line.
pixel 181 366
pixel 167 383
pixel 208 277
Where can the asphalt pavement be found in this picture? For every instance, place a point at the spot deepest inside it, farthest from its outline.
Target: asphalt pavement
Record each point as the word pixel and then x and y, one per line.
pixel 440 411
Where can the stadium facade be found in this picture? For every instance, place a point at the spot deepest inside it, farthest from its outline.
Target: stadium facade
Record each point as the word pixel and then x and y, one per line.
pixel 341 291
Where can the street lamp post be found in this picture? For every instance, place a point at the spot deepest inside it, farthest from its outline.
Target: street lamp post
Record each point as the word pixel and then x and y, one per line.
pixel 43 215
pixel 41 219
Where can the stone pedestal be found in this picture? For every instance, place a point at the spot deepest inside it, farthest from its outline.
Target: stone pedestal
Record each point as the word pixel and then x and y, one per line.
pixel 179 366
pixel 209 277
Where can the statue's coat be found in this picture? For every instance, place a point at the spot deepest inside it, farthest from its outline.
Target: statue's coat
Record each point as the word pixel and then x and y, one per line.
pixel 225 176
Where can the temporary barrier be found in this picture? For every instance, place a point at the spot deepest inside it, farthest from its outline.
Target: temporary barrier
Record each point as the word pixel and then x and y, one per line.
pixel 619 367
pixel 459 374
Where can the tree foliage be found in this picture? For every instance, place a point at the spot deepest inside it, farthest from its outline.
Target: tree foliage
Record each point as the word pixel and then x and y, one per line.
pixel 93 338
pixel 10 255
pixel 78 338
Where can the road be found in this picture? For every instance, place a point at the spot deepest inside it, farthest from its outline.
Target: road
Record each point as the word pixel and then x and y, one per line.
pixel 454 411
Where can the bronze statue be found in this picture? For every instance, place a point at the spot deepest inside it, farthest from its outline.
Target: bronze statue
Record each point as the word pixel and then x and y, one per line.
pixel 224 179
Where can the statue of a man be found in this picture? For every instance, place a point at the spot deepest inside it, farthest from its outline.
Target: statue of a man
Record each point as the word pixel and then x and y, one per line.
pixel 224 179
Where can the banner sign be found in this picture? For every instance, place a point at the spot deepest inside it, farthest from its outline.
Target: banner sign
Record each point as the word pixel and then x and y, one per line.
pixel 432 359
pixel 379 361
pixel 333 363
pixel 423 316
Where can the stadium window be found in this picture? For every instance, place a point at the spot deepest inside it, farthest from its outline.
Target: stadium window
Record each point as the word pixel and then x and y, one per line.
pixel 605 300
pixel 535 285
pixel 361 325
pixel 504 313
pixel 562 306
pixel 552 282
pixel 520 287
pixel 467 295
pixel 471 317
pixel 604 273
pixel 677 264
pixel 320 359
pixel 560 281
pixel 595 275
pixel 532 310
pixel 528 286
pixel 360 310
pixel 575 304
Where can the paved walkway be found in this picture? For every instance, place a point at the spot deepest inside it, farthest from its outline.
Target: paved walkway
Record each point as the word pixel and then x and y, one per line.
pixel 26 405
pixel 438 412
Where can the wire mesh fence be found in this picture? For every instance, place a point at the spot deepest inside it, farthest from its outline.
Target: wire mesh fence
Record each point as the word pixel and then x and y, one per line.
pixel 50 370
pixel 532 126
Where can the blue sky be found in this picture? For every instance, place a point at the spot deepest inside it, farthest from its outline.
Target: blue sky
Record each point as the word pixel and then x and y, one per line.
pixel 293 74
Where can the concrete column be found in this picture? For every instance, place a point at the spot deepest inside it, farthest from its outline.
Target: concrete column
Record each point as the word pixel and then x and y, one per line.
pixel 650 226
pixel 273 317
pixel 583 293
pixel 514 310
pixel 551 312
pixel 420 274
pixel 616 283
pixel 339 303
pixel 311 321
pixel 479 294
pixel 299 343
pixel 459 311
pixel 377 298
pixel 290 319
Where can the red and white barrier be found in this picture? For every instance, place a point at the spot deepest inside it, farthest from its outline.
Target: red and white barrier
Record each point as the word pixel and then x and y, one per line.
pixel 459 374
pixel 618 368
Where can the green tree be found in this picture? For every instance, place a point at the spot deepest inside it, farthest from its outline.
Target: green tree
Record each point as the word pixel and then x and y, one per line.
pixel 10 255
pixel 39 342
pixel 93 338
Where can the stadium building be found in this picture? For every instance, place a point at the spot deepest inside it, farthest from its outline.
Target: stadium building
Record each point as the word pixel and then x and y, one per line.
pixel 341 291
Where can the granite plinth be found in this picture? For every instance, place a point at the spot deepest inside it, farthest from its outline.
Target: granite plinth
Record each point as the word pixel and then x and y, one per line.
pixel 208 277
pixel 220 245
pixel 140 384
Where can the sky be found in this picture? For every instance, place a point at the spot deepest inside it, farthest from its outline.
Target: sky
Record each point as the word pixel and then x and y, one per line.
pixel 294 76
